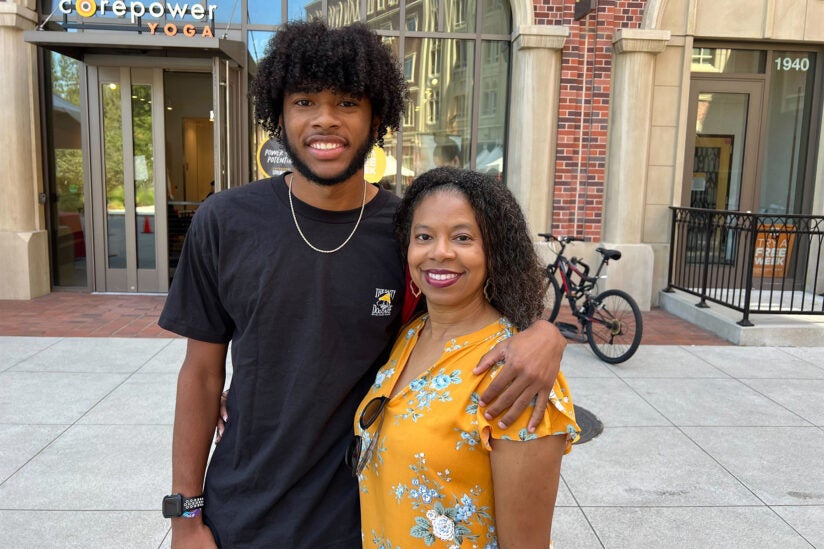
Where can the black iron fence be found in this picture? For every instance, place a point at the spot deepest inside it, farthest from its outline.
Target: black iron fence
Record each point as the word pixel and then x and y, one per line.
pixel 752 263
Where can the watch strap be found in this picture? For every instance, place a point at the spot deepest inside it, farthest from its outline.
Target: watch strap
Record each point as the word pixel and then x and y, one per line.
pixel 190 504
pixel 175 505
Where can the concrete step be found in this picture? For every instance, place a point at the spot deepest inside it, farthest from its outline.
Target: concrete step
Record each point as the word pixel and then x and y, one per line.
pixel 768 329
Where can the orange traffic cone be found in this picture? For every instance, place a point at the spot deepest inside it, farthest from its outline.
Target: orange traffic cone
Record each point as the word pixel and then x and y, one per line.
pixel 147 226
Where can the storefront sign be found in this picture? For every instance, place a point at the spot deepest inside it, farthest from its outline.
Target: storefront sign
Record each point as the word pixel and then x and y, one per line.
pixel 773 248
pixel 137 10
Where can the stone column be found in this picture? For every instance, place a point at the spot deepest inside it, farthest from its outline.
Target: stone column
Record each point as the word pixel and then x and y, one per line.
pixel 628 143
pixel 536 82
pixel 24 249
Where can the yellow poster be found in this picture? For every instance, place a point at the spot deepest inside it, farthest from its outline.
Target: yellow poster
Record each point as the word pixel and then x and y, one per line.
pixel 375 167
pixel 773 247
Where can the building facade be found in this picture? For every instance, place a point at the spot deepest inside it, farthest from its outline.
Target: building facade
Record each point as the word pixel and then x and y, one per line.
pixel 123 116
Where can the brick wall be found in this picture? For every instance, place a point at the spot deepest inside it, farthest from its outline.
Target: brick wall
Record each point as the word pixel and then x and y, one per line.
pixel 580 167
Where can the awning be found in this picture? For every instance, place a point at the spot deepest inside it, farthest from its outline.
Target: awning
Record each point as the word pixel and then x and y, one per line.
pixel 78 44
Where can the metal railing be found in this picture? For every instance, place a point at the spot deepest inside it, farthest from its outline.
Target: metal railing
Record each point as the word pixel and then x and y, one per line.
pixel 751 263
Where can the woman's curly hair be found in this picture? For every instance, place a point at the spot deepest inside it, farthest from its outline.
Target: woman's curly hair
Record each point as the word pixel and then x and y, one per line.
pixel 516 282
pixel 311 57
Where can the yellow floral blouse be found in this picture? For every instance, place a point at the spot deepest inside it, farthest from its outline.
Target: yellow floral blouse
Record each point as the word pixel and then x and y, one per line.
pixel 428 480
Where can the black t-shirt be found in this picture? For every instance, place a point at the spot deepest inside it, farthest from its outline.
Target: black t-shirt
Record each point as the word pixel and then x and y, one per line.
pixel 307 331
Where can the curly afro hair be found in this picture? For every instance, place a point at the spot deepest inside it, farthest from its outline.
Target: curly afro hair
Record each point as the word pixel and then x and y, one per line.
pixel 516 283
pixel 311 57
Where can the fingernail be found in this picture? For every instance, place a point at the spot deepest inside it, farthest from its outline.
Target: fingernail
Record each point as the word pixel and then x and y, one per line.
pixel 225 418
pixel 532 429
pixel 488 416
pixel 502 425
pixel 481 403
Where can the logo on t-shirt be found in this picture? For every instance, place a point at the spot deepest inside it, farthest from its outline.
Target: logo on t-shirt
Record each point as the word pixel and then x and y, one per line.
pixel 383 302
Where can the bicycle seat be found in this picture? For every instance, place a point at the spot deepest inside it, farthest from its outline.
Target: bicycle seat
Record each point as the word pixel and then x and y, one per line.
pixel 609 254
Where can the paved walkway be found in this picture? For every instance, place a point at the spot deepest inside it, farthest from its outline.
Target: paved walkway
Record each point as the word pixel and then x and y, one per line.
pixel 710 446
pixel 64 314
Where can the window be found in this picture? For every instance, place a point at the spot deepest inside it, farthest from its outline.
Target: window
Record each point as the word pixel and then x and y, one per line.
pixel 447 99
pixel 730 61
pixel 409 67
pixel 489 100
pixel 433 106
pixel 461 56
pixel 435 58
pixel 409 113
pixel 459 109
pixel 492 53
pixel 460 12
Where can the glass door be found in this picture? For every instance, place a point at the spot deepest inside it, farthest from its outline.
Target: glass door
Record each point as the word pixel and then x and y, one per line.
pixel 227 124
pixel 720 171
pixel 722 148
pixel 126 111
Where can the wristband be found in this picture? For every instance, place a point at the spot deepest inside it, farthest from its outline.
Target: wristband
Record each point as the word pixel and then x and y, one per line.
pixel 191 514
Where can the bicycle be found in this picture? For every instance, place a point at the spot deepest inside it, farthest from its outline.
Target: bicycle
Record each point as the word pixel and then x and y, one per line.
pixel 611 319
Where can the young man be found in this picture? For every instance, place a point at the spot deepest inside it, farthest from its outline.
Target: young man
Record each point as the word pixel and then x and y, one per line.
pixel 302 274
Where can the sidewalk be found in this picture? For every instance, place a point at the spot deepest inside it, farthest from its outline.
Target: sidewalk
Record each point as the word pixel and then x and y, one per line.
pixel 710 446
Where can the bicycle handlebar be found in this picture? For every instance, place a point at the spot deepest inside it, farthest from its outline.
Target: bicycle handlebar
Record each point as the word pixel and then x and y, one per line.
pixel 562 239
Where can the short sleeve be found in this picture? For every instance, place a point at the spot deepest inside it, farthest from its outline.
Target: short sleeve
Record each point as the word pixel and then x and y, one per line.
pixel 193 307
pixel 557 420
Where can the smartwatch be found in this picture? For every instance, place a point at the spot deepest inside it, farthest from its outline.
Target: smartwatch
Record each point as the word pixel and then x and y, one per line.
pixel 176 505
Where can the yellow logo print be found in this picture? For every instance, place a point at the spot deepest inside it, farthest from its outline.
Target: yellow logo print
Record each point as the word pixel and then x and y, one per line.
pixel 86 8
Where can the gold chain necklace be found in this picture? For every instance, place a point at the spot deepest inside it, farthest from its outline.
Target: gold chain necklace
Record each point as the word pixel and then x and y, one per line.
pixel 303 236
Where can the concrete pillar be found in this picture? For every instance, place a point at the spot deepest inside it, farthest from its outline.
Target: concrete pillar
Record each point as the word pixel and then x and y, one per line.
pixel 24 249
pixel 630 119
pixel 536 81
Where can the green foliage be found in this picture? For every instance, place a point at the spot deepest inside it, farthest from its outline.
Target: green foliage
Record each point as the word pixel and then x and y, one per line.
pixel 65 81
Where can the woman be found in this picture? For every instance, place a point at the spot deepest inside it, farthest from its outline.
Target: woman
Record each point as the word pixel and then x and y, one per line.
pixel 426 458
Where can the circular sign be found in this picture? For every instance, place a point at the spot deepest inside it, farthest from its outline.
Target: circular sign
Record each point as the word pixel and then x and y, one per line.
pixel 375 167
pixel 86 8
pixel 272 158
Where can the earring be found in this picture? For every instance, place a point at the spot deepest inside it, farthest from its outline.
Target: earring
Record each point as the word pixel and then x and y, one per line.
pixel 414 289
pixel 486 290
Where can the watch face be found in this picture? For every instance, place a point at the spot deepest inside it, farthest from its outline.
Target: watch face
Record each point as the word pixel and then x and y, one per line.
pixel 173 506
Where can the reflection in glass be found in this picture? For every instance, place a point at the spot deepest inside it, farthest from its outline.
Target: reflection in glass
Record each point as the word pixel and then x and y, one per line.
pixel 143 174
pixel 459 15
pixel 717 164
pixel 788 129
pixel 113 175
pixel 491 123
pixel 189 150
pixel 496 17
pixel 227 11
pixel 68 218
pixel 386 15
pixel 437 123
pixel 309 10
pixel 257 42
pixel 719 150
pixel 263 12
pixel 729 61
pixel 341 14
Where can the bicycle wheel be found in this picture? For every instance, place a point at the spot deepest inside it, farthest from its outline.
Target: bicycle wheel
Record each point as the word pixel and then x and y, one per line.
pixel 614 326
pixel 552 297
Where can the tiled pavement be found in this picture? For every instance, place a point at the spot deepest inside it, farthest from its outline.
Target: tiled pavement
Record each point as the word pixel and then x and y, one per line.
pixel 711 446
pixel 69 314
pixel 65 314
